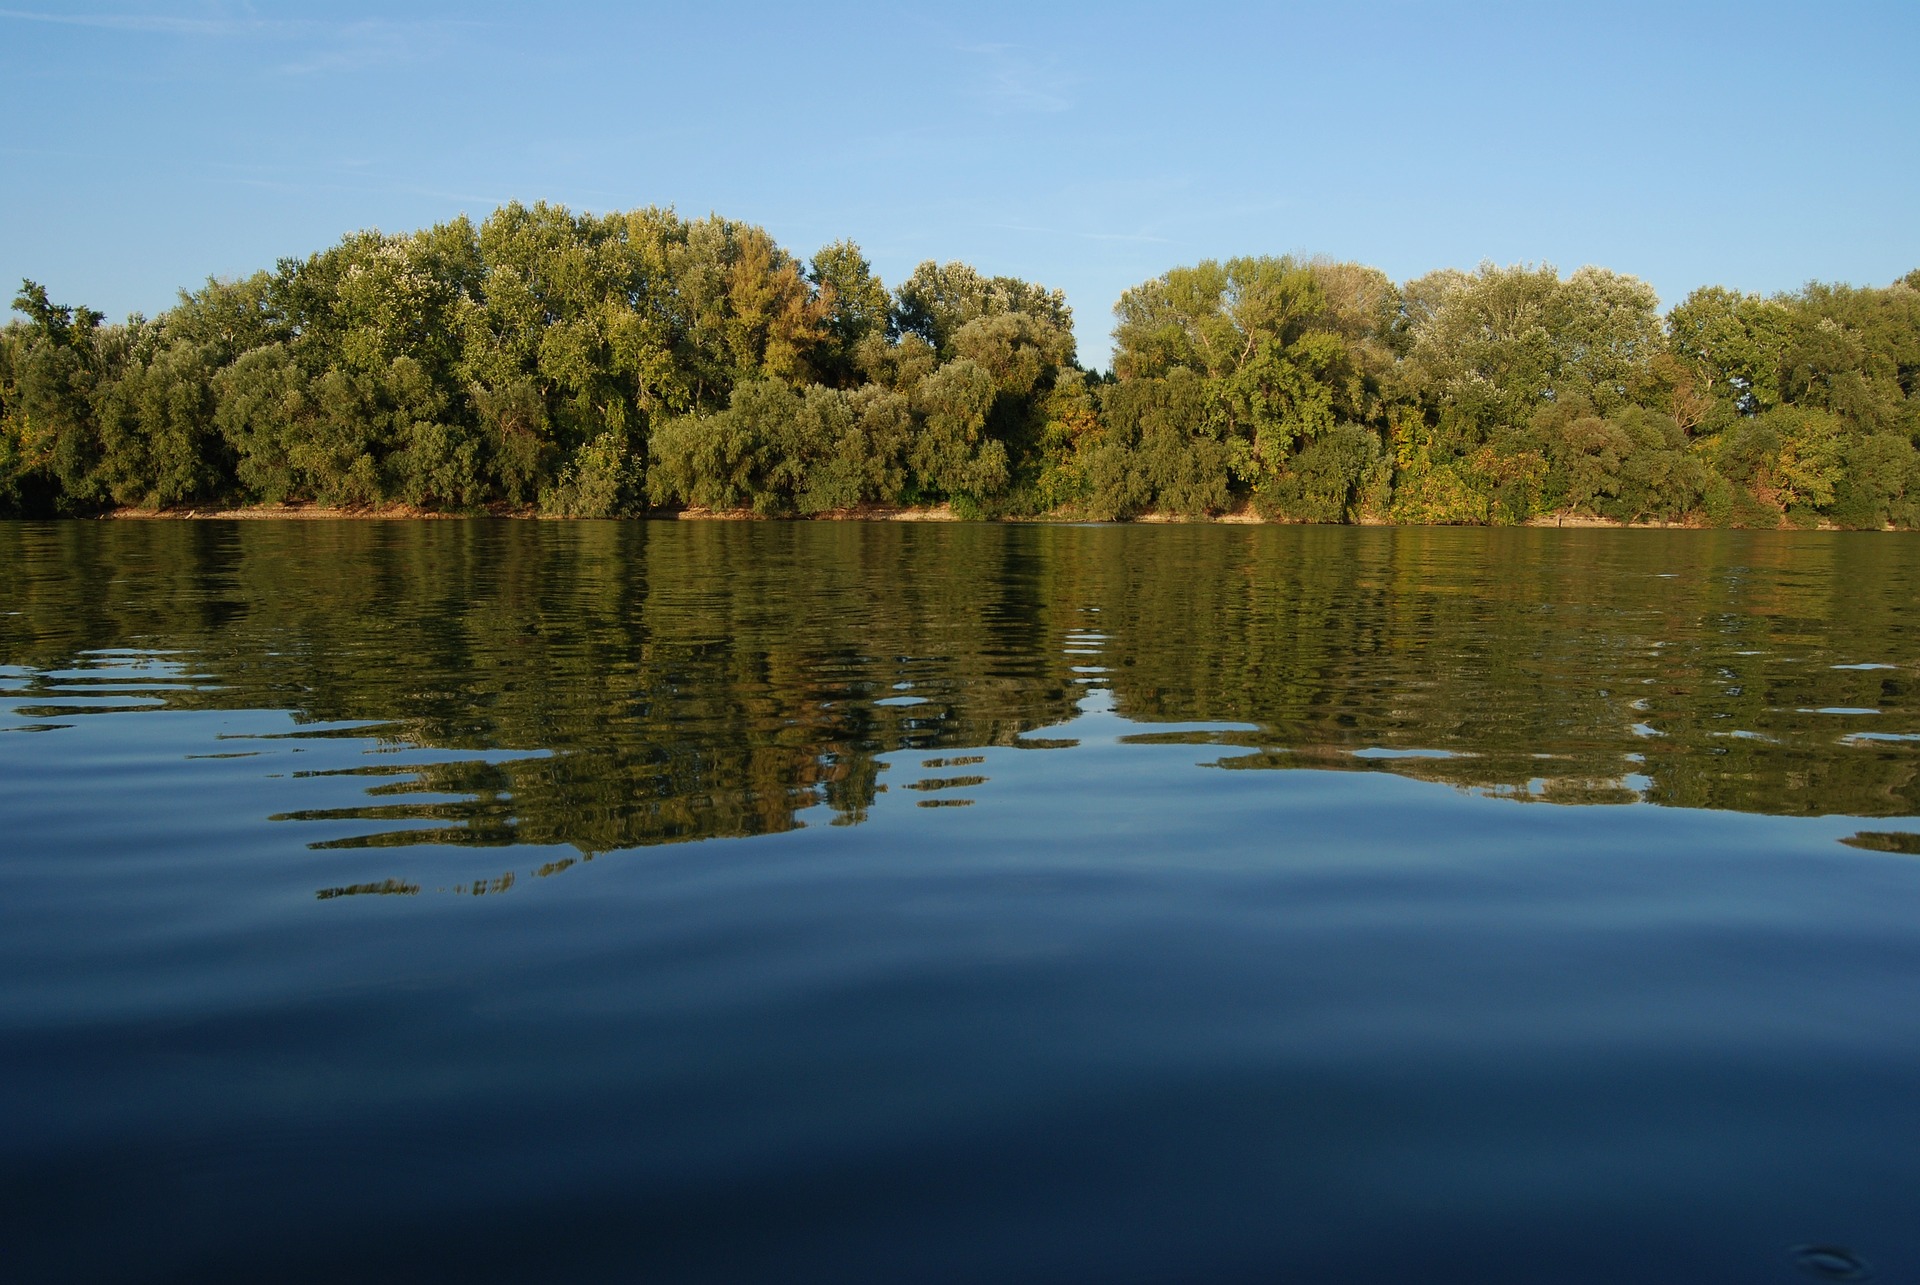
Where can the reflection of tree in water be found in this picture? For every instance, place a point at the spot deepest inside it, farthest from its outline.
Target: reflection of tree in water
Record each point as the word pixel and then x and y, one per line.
pixel 385 888
pixel 686 681
pixel 1685 668
pixel 667 682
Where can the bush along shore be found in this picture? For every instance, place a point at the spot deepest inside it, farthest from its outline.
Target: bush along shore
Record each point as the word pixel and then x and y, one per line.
pixel 605 365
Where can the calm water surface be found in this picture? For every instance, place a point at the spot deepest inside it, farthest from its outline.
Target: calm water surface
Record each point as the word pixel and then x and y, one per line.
pixel 837 902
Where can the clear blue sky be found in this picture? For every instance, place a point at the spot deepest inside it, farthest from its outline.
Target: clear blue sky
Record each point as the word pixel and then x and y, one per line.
pixel 1090 147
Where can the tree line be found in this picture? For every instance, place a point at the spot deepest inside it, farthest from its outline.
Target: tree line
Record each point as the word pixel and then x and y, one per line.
pixel 605 365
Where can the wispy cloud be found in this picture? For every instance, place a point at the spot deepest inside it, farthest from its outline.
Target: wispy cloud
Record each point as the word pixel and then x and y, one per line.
pixel 1012 83
pixel 318 46
pixel 169 24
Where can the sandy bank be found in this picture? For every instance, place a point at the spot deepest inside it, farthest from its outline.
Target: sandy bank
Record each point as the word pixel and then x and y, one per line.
pixel 301 511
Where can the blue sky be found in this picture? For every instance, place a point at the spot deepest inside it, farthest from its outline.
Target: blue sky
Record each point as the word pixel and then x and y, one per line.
pixel 1089 147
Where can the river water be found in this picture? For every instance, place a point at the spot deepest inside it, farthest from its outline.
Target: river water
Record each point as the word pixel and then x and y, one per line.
pixel 477 900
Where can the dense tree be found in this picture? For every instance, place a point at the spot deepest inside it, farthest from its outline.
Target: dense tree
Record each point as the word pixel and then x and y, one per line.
pixel 1727 348
pixel 52 373
pixel 857 306
pixel 1289 355
pixel 593 365
pixel 938 299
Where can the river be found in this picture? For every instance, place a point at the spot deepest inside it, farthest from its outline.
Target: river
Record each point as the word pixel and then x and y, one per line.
pixel 490 900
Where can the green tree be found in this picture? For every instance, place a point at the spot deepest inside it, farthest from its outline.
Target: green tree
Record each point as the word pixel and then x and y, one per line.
pixel 939 299
pixel 1729 347
pixel 158 442
pixel 1277 370
pixel 262 410
pixel 1326 482
pixel 951 455
pixel 857 306
pixel 53 449
pixel 1159 449
pixel 1880 484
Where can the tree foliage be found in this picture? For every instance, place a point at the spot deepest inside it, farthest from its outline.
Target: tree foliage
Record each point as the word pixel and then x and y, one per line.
pixel 598 365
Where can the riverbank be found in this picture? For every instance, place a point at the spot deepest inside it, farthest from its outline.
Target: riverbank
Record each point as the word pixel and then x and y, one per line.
pixel 297 511
pixel 301 511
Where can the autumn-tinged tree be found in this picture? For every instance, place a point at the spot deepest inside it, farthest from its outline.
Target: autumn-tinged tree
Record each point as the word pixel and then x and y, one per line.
pixel 591 365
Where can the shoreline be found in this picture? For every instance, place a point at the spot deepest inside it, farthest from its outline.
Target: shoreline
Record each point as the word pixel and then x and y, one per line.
pixel 302 511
